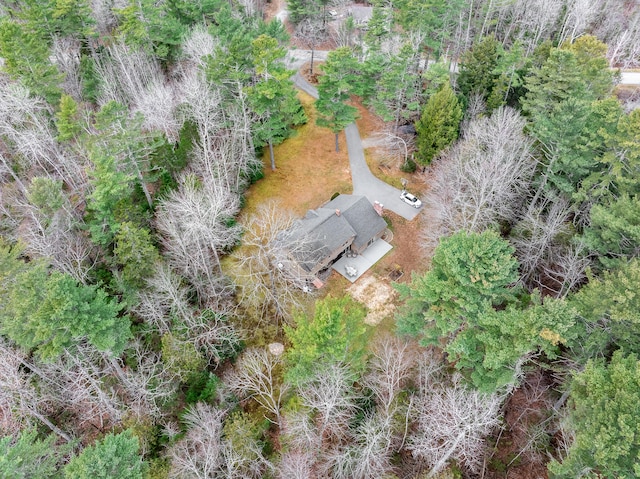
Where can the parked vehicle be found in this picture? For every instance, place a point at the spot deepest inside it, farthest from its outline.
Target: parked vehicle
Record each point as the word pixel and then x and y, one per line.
pixel 410 199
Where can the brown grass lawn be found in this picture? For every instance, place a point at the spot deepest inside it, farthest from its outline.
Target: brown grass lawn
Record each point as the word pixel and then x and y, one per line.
pixel 308 169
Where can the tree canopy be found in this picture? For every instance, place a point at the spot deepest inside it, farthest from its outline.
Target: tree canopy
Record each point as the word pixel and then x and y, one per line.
pixel 49 312
pixel 133 270
pixel 334 89
pixel 28 456
pixel 113 457
pixel 605 406
pixel 335 334
pixel 438 125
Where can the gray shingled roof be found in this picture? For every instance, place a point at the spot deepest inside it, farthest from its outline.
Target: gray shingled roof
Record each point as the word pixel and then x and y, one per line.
pixel 323 231
pixel 360 215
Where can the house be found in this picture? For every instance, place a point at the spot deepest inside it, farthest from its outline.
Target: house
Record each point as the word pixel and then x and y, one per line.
pixel 347 224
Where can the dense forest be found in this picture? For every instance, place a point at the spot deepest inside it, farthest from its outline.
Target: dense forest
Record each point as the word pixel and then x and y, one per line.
pixel 139 305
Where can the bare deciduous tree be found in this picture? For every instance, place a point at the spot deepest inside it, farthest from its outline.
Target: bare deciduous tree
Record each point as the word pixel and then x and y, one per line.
pixel 158 104
pixel 370 453
pixel 394 147
pixel 318 432
pixel 579 14
pixel 209 450
pixel 125 74
pixel 101 382
pixel 547 259
pixel 268 278
pixel 299 432
pixel 133 78
pixel 200 453
pixel 30 141
pixel 253 8
pixel 103 12
pixel 567 268
pixel 202 103
pixel 311 31
pixel 225 148
pixel 165 297
pixel 624 47
pixel 344 34
pixel 11 216
pixel 485 178
pixel 13 385
pixel 165 306
pixel 66 52
pixel 146 384
pixel 58 239
pixel 254 376
pixel 452 421
pixel 194 225
pixel 7 169
pixel 78 382
pixel 531 21
pixel 198 45
pixel 392 364
pixel 535 233
pixel 211 333
pixel 242 453
pixel 295 465
pixel 331 396
pixel 529 420
pixel 20 396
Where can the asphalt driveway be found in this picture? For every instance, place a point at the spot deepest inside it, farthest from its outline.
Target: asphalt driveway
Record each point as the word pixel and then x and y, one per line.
pixel 364 182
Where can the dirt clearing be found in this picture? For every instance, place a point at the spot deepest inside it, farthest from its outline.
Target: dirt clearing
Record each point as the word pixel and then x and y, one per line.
pixel 377 295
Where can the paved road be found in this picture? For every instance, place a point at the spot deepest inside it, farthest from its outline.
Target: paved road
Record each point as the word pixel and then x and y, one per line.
pixel 296 58
pixel 364 182
pixel 304 85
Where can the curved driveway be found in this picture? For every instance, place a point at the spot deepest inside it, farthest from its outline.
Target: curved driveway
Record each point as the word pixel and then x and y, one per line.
pixel 364 182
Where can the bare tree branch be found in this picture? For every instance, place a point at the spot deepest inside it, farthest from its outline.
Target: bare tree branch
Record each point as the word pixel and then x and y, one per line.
pixel 452 422
pixel 295 465
pixel 484 179
pixel 199 453
pixel 332 398
pixel 269 279
pixel 391 366
pixel 254 376
pixel 20 397
pixel 194 226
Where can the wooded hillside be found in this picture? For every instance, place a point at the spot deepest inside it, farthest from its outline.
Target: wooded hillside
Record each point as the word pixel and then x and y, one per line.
pixel 142 319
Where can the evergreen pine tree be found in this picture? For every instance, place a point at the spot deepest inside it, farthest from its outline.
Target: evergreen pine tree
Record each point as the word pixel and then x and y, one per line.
pixel 438 126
